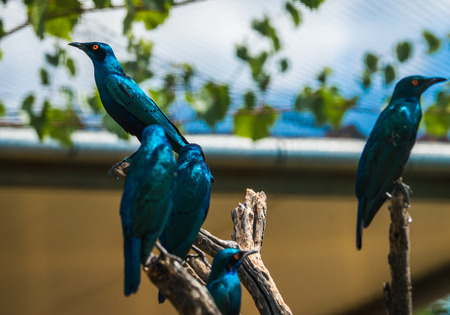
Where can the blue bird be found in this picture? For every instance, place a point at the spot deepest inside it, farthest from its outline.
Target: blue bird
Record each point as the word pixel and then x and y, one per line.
pixel 190 203
pixel 388 148
pixel 124 100
pixel 146 201
pixel 223 282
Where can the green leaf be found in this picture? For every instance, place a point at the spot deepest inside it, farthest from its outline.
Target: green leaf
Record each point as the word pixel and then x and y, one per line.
pixel 62 27
pixel 254 124
pixel 102 3
pixel 367 79
pixel 257 63
pixel 389 74
pixel 128 21
pixel 1 54
pixel 70 64
pixel 404 51
pixel 323 76
pixel 433 42
pixel 212 103
pixel 27 103
pixel 188 74
pixel 284 64
pixel 294 12
pixel 45 80
pixel 151 19
pixel 37 11
pixel 437 120
pixel 2 109
pixel 326 104
pixel 371 62
pixel 52 59
pixel 61 124
pixel 312 4
pixel 2 30
pixel 249 100
pixel 265 28
pixel 242 52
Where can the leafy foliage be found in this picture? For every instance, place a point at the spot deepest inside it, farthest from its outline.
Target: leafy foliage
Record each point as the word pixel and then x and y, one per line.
pixel 437 116
pixel 404 51
pixel 433 42
pixel 50 121
pixel 254 124
pixel 212 103
pixel 326 102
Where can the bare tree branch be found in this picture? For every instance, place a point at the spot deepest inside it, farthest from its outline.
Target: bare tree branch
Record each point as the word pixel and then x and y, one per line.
pixel 398 295
pixel 249 225
pixel 185 293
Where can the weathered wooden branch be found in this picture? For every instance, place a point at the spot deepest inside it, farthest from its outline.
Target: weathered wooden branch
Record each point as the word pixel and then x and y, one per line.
pixel 398 295
pixel 186 294
pixel 184 284
pixel 249 225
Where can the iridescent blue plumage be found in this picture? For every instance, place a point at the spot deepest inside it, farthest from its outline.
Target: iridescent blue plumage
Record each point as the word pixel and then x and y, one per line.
pixel 223 282
pixel 190 202
pixel 123 99
pixel 388 148
pixel 146 201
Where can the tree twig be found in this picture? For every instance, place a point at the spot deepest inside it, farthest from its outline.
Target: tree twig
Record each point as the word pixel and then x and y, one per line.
pixel 398 295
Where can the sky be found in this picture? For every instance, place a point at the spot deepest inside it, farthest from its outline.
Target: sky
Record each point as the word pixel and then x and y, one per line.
pixel 205 34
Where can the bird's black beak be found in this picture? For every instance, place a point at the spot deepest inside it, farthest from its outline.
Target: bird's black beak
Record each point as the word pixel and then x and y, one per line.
pixel 431 81
pixel 245 253
pixel 78 45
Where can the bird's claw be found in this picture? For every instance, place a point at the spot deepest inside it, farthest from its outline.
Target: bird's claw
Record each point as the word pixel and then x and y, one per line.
pixel 120 168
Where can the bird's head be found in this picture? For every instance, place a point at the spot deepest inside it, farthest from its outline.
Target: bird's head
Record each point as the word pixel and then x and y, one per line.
pixel 230 259
pixel 95 50
pixel 191 150
pixel 152 136
pixel 414 86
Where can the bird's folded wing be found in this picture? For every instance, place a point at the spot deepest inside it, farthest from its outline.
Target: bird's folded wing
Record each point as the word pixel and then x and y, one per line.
pixel 129 95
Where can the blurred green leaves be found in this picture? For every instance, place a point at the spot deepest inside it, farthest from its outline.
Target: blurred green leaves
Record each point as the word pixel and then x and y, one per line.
pixel 433 42
pixel 437 116
pixel 211 103
pixel 55 17
pixel 50 121
pixel 326 102
pixel 254 124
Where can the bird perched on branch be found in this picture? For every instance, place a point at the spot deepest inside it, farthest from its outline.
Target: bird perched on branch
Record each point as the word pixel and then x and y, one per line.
pixel 190 203
pixel 124 100
pixel 146 201
pixel 388 148
pixel 223 282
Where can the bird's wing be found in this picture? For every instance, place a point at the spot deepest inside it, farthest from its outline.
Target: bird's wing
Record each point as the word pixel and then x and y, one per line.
pixel 384 157
pixel 152 196
pixel 191 195
pixel 128 94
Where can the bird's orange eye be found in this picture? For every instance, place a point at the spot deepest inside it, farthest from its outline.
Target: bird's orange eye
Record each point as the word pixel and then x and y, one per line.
pixel 236 256
pixel 95 47
pixel 415 82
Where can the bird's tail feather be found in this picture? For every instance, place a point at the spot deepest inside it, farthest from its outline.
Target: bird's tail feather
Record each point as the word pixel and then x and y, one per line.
pixel 161 297
pixel 132 255
pixel 359 226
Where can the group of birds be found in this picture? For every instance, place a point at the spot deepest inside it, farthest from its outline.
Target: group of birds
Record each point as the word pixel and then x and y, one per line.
pixel 161 198
pixel 170 200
